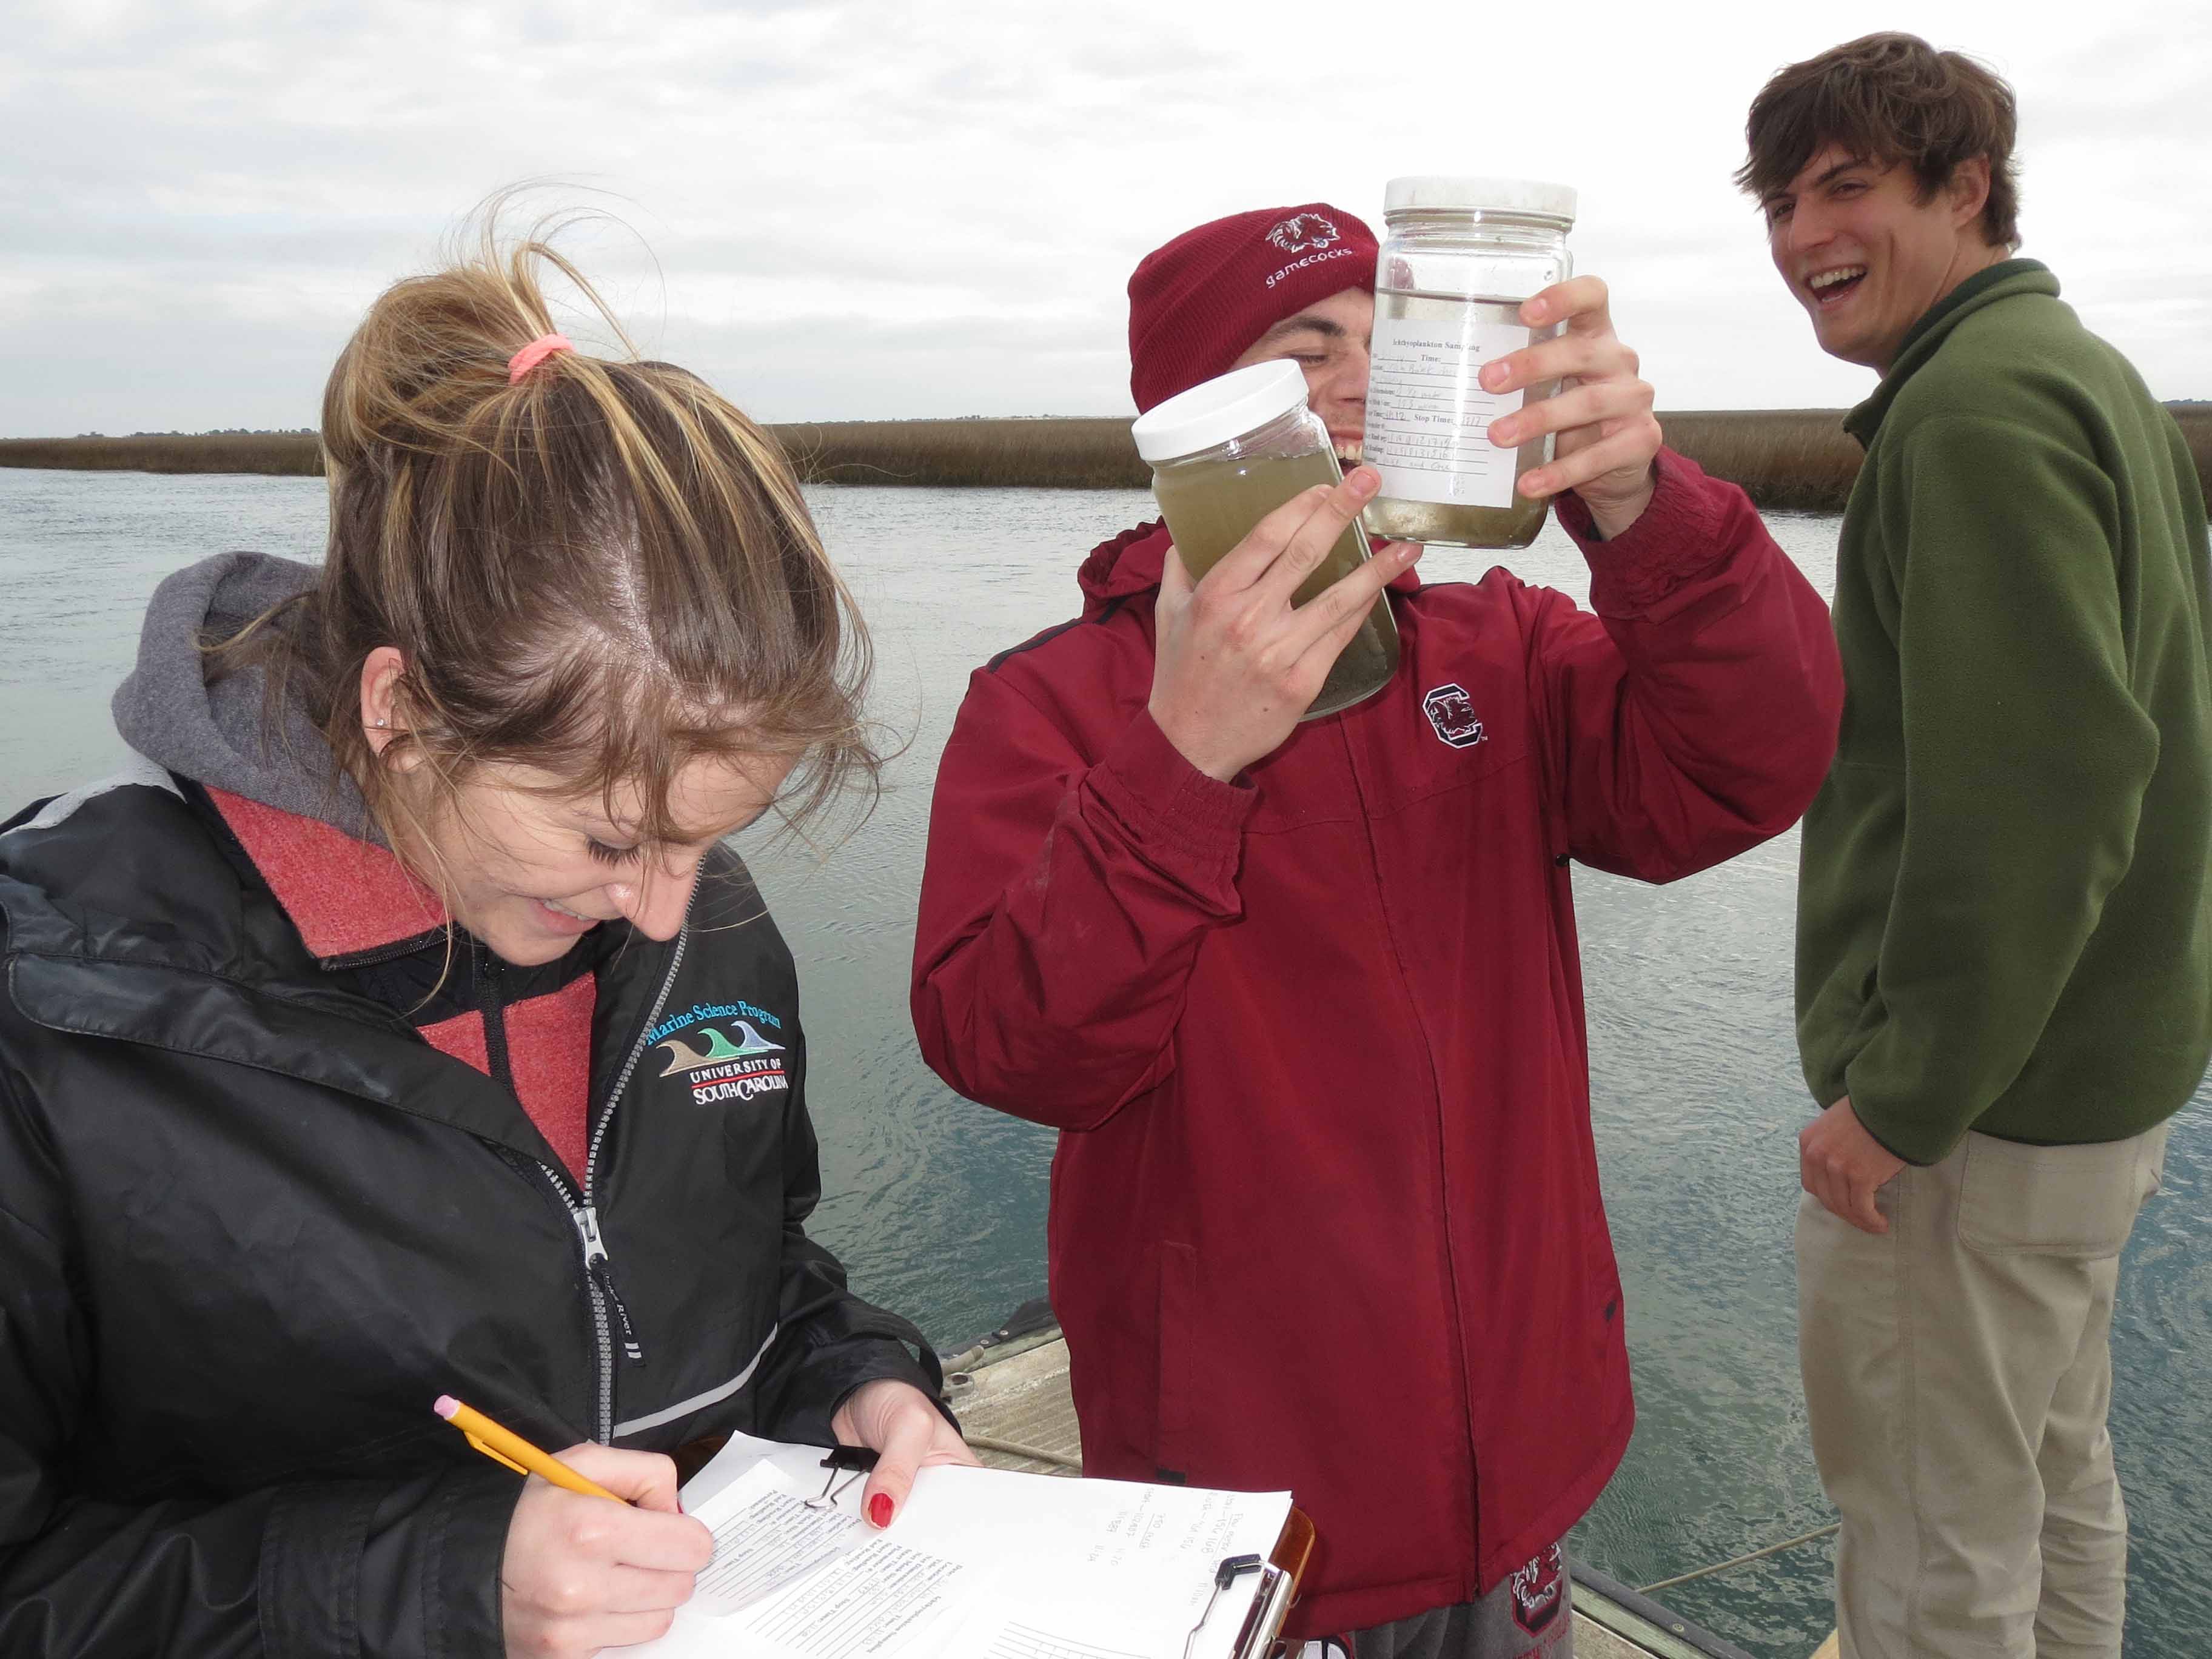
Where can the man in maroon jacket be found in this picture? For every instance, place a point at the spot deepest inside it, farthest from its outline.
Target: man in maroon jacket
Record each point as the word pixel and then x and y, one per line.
pixel 1304 999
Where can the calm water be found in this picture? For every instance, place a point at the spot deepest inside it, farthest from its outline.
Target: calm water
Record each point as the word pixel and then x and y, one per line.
pixel 938 1205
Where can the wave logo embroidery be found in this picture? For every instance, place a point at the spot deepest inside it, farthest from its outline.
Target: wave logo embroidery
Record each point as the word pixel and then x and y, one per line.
pixel 682 1057
pixel 1302 231
pixel 744 1070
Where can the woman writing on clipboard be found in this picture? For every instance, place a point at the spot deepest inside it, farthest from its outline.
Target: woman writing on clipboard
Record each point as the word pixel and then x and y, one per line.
pixel 398 1025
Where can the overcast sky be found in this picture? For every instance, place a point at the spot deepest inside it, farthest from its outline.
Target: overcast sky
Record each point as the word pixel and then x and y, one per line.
pixel 893 209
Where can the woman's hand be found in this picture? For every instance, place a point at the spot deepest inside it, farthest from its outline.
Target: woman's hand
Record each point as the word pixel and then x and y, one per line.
pixel 580 1574
pixel 907 1433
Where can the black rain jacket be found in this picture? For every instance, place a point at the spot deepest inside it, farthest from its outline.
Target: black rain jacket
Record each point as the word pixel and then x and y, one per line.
pixel 251 1225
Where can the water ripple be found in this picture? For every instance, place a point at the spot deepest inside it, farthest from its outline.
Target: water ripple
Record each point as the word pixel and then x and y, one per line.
pixel 938 1206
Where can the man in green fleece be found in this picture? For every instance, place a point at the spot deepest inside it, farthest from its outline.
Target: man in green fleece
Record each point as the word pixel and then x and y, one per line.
pixel 2004 952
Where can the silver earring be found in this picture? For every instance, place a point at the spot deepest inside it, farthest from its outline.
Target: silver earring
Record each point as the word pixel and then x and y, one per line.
pixel 381 725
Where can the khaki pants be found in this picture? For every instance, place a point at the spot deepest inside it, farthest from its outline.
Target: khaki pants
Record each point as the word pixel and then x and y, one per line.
pixel 1958 1369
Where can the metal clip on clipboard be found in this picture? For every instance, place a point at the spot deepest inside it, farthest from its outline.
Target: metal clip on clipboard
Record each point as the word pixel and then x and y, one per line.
pixel 1263 1618
pixel 1263 1621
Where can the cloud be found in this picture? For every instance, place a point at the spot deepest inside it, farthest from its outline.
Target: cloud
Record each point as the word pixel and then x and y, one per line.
pixel 869 207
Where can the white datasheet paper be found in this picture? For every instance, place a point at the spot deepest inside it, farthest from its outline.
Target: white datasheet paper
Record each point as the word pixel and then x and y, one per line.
pixel 981 1564
pixel 1100 1569
pixel 765 1537
pixel 1428 417
pixel 788 1582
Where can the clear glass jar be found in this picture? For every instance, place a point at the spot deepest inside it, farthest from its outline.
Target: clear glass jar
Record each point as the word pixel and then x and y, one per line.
pixel 1459 258
pixel 1228 451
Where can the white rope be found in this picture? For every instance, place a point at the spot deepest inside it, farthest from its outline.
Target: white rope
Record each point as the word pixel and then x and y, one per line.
pixel 1771 1549
pixel 1014 1449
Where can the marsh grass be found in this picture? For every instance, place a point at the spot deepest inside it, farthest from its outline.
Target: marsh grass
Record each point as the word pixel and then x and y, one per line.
pixel 284 454
pixel 1079 453
pixel 2196 427
pixel 1799 460
pixel 1069 453
pixel 1790 460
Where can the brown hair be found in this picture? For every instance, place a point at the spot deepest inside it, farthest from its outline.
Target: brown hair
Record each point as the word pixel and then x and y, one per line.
pixel 603 570
pixel 1892 99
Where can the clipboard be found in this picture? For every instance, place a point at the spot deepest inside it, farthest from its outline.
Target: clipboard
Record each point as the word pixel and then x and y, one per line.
pixel 1260 1614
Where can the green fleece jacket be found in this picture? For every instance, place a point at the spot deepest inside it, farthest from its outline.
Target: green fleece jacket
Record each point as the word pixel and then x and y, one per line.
pixel 2002 919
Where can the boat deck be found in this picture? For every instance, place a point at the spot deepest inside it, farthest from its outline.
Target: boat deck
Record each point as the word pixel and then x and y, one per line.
pixel 1013 1401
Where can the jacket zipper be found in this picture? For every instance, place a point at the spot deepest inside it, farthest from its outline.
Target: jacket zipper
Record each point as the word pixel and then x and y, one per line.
pixel 607 1309
pixel 1444 1178
pixel 598 1267
pixel 377 953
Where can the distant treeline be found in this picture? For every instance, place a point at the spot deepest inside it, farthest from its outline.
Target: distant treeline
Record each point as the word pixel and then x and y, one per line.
pixel 1794 460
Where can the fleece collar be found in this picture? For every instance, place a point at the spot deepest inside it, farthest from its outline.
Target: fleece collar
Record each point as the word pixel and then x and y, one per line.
pixel 2006 280
pixel 348 900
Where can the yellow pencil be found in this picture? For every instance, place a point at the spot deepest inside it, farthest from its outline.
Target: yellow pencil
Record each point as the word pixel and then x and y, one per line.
pixel 504 1446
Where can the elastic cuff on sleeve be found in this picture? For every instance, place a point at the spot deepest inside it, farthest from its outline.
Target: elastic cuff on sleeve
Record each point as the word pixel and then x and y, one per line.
pixel 933 1392
pixel 462 1595
pixel 1681 533
pixel 1912 1139
pixel 310 1577
pixel 832 1373
pixel 357 1566
pixel 1147 780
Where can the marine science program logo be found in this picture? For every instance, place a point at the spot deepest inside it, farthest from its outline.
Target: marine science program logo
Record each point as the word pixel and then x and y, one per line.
pixel 723 1070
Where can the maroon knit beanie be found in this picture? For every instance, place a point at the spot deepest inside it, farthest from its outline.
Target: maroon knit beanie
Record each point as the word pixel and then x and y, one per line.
pixel 1196 304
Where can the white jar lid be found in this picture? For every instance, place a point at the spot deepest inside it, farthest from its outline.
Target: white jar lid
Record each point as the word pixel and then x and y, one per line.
pixel 1435 191
pixel 1214 411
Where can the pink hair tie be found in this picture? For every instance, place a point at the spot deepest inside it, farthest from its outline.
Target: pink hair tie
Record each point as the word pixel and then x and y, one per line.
pixel 536 353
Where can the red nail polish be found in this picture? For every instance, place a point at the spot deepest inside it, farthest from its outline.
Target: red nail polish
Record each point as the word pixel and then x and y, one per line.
pixel 880 1509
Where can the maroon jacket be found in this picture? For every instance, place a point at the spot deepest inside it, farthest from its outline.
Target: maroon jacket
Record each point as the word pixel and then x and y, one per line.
pixel 1325 1210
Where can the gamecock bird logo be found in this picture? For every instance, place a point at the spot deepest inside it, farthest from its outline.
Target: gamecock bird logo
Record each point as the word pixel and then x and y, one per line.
pixel 1302 231
pixel 1451 711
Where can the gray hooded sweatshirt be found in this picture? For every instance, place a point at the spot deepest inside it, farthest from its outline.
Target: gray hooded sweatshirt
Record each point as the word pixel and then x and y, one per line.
pixel 219 734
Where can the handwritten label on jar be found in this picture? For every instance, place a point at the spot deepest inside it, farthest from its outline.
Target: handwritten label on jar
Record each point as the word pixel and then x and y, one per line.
pixel 1428 419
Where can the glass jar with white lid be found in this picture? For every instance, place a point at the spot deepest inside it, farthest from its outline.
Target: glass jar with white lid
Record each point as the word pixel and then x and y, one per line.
pixel 1227 452
pixel 1459 258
